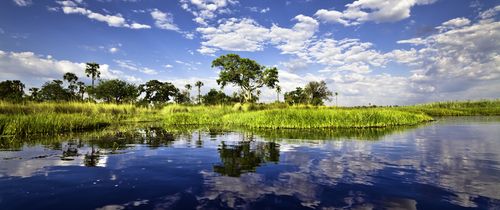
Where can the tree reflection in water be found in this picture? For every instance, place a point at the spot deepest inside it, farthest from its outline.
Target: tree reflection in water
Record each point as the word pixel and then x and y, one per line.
pixel 245 156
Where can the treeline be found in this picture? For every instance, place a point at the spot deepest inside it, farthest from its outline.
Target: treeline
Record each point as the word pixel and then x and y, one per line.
pixel 244 73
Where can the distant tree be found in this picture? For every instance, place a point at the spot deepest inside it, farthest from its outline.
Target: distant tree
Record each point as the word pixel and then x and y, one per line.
pixel 317 92
pixel 81 89
pixel 199 84
pixel 11 90
pixel 92 71
pixel 116 91
pixel 336 99
pixel 182 97
pixel 278 91
pixel 188 88
pixel 214 97
pixel 54 91
pixel 35 94
pixel 158 92
pixel 296 96
pixel 245 73
pixel 71 79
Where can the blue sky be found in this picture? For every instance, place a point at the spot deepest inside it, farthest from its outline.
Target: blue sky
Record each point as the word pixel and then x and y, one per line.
pixel 370 51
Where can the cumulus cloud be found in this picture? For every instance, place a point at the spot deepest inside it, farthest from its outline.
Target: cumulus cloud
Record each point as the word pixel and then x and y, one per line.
pixel 117 20
pixel 205 10
pixel 361 11
pixel 164 20
pixel 23 3
pixel 129 65
pixel 34 69
pixel 247 35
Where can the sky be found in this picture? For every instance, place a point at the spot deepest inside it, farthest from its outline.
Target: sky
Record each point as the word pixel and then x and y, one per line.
pixel 382 52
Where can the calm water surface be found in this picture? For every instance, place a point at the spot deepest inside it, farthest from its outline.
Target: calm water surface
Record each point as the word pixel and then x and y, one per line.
pixel 453 163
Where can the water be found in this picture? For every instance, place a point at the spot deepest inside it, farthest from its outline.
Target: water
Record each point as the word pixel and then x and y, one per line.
pixel 453 163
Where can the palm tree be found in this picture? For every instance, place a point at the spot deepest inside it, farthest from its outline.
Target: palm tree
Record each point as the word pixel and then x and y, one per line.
pixel 278 91
pixel 81 89
pixel 336 99
pixel 199 84
pixel 92 71
pixel 188 87
pixel 71 79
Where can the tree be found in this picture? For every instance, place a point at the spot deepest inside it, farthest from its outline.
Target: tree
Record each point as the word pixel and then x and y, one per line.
pixel 53 91
pixel 188 88
pixel 199 84
pixel 317 92
pixel 92 71
pixel 278 91
pixel 245 73
pixel 296 96
pixel 71 79
pixel 182 97
pixel 81 89
pixel 35 94
pixel 158 92
pixel 116 91
pixel 336 99
pixel 11 90
pixel 214 97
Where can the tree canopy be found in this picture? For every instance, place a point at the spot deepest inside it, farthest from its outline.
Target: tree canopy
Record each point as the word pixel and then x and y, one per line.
pixel 11 90
pixel 116 91
pixel 158 92
pixel 245 73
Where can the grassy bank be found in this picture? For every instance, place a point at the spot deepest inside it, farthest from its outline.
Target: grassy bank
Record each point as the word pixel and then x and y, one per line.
pixel 54 118
pixel 457 108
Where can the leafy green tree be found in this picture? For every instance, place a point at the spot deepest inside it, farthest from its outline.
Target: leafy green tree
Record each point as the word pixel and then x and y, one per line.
pixel 199 84
pixel 92 71
pixel 317 92
pixel 11 90
pixel 116 91
pixel 54 91
pixel 278 91
pixel 245 73
pixel 182 97
pixel 81 89
pixel 214 97
pixel 296 96
pixel 158 92
pixel 35 94
pixel 71 79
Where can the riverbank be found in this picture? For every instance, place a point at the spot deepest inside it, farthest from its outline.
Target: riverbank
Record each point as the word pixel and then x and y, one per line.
pixel 55 118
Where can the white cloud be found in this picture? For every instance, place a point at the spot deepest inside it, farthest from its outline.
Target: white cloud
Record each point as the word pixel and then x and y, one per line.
pixel 247 35
pixel 113 50
pixel 361 11
pixel 71 7
pixel 205 10
pixel 34 69
pixel 129 65
pixel 23 3
pixel 164 20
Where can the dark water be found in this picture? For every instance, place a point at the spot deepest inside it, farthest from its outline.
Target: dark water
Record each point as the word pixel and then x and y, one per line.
pixel 453 163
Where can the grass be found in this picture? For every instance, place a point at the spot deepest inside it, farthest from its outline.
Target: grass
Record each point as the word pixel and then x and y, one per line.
pixel 54 118
pixel 457 108
pixel 325 118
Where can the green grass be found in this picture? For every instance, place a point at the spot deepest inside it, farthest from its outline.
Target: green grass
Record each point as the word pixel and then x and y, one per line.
pixel 55 118
pixel 457 108
pixel 325 118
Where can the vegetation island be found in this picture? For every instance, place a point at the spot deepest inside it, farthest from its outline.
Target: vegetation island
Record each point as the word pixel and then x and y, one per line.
pixel 70 105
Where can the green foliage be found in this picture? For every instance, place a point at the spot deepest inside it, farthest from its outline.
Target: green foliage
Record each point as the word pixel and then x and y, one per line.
pixel 325 118
pixel 115 90
pixel 158 92
pixel 54 91
pixel 245 73
pixel 214 97
pixel 457 108
pixel 296 96
pixel 11 90
pixel 92 71
pixel 317 92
